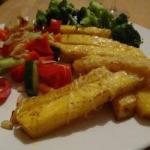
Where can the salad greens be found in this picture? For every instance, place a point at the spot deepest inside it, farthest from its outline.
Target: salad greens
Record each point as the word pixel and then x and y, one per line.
pixel 93 15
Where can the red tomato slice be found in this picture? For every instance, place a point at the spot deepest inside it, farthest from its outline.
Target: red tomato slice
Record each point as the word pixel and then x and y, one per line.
pixel 4 33
pixel 45 60
pixel 6 50
pixel 33 55
pixel 54 26
pixel 5 89
pixel 40 45
pixel 57 37
pixel 55 75
pixel 17 73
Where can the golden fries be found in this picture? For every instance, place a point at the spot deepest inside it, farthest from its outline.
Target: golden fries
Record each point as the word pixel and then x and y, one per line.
pixel 143 103
pixel 73 52
pixel 68 29
pixel 97 57
pixel 95 75
pixel 124 106
pixel 45 117
pixel 137 65
pixel 78 39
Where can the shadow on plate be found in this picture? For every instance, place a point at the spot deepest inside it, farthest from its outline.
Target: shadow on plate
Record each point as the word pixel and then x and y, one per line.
pixel 98 118
pixel 143 122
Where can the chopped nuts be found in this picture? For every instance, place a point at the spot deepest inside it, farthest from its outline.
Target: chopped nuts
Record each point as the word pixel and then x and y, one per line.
pixel 6 124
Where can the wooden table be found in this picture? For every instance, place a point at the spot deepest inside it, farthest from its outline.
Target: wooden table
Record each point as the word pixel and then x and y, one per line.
pixel 138 10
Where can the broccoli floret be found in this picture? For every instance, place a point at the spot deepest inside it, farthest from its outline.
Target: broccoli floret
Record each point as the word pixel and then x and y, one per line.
pixel 93 15
pixel 121 19
pixel 68 12
pixel 86 17
pixel 104 17
pixel 72 20
pixel 53 10
pixel 125 33
pixel 83 12
pixel 41 19
pixel 89 21
pixel 105 20
pixel 63 11
pixel 96 7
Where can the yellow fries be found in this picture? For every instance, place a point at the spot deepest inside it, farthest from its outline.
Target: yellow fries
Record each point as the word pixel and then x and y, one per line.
pixel 73 52
pixel 124 106
pixel 68 29
pixel 95 75
pixel 143 103
pixel 45 117
pixel 110 72
pixel 137 65
pixel 78 39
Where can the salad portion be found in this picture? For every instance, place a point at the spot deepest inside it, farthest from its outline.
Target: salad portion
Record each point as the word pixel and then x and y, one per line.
pixel 29 59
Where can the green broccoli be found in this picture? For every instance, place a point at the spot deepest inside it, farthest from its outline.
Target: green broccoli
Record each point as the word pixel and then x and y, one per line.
pixel 53 10
pixel 126 33
pixel 93 15
pixel 41 19
pixel 121 19
pixel 86 17
pixel 104 17
pixel 63 11
pixel 96 7
pixel 105 20
pixel 83 12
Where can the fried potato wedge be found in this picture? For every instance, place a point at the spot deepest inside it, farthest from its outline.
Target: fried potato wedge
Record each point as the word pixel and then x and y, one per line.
pixel 124 107
pixel 73 52
pixel 137 65
pixel 94 75
pixel 44 118
pixel 68 29
pixel 143 103
pixel 79 39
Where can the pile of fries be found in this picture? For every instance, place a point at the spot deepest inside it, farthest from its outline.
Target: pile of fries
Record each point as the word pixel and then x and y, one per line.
pixel 107 70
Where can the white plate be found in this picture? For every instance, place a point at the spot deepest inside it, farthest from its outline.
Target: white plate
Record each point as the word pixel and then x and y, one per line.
pixel 98 133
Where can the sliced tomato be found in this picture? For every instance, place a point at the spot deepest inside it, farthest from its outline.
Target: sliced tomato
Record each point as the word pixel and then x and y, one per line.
pixel 54 26
pixel 33 55
pixel 67 74
pixel 45 60
pixel 4 33
pixel 5 89
pixel 55 75
pixel 17 73
pixel 5 50
pixel 57 37
pixel 40 45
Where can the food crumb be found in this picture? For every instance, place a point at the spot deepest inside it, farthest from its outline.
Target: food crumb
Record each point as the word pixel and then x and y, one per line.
pixel 6 124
